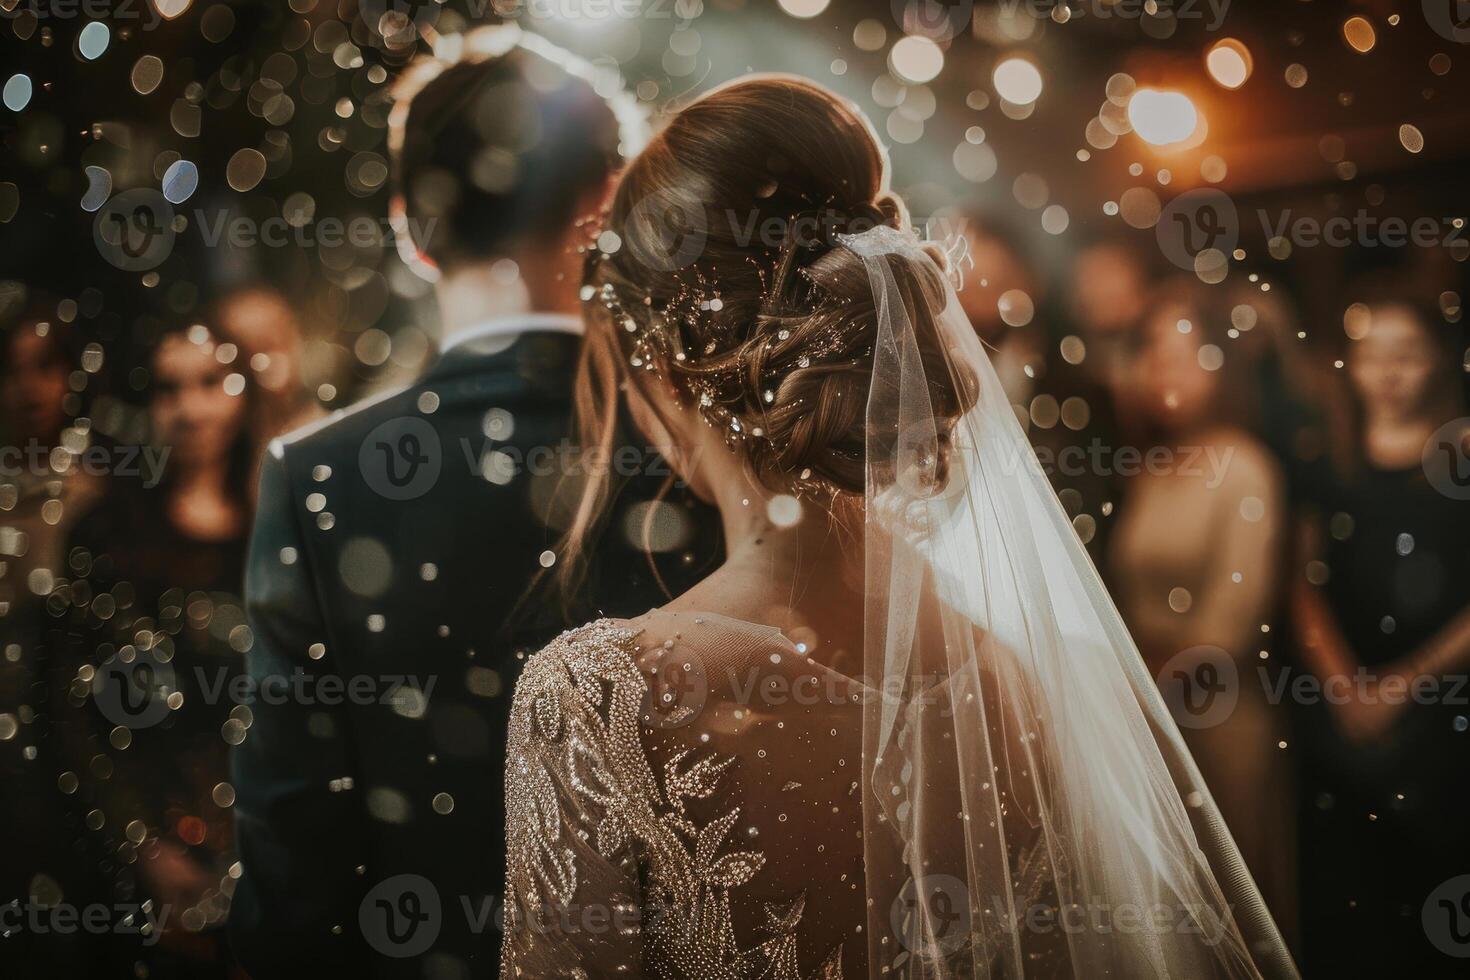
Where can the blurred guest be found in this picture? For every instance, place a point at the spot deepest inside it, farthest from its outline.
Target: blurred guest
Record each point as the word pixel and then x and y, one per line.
pixel 157 631
pixel 1109 288
pixel 1068 415
pixel 1196 558
pixel 1001 295
pixel 43 487
pixel 43 490
pixel 200 411
pixel 267 336
pixel 1291 386
pixel 1383 617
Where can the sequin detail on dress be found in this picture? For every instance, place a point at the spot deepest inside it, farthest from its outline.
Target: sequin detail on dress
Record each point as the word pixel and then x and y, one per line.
pixel 607 872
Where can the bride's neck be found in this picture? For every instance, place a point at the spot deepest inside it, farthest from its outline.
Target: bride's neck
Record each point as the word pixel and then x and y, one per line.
pixel 778 531
pixel 788 564
pixel 815 546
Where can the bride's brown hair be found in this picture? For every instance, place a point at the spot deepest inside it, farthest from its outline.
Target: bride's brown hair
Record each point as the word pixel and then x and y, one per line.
pixel 718 269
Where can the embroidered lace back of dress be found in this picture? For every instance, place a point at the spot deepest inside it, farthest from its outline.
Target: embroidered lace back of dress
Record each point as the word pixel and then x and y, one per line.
pixel 684 802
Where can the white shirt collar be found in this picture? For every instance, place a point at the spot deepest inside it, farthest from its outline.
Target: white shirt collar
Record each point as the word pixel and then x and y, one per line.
pixel 514 323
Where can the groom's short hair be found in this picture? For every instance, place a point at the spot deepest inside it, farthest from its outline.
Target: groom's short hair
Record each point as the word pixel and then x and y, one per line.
pixel 495 148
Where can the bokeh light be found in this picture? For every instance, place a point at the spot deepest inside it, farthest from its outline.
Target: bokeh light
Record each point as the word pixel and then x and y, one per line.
pixel 17 92
pixel 1411 138
pixel 170 9
pixel 916 59
pixel 1018 81
pixel 1359 34
pixel 804 8
pixel 93 40
pixel 1229 63
pixel 1161 117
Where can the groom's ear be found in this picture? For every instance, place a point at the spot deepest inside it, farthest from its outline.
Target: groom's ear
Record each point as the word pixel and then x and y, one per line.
pixel 413 251
pixel 591 204
pixel 603 196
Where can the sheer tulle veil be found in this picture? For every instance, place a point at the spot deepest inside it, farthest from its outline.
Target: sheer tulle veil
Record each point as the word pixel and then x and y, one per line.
pixel 1030 808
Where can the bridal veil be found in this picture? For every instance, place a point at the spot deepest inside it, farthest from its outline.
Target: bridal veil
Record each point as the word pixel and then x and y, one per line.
pixel 1029 806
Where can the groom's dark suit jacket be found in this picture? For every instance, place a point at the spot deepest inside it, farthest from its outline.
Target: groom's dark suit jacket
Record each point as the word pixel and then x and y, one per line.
pixel 392 545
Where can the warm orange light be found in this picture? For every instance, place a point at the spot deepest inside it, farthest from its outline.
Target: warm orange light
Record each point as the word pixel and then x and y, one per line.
pixel 1359 34
pixel 1229 63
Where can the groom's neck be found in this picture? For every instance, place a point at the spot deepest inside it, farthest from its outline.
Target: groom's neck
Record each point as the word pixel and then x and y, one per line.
pixel 536 282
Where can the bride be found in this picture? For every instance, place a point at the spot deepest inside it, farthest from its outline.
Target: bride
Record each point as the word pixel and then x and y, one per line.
pixel 901 732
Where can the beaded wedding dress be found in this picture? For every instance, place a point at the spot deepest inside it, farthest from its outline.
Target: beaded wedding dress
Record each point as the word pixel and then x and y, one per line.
pixel 999 793
pixel 688 826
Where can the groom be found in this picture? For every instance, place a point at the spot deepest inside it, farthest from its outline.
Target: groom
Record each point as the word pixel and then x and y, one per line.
pixel 395 542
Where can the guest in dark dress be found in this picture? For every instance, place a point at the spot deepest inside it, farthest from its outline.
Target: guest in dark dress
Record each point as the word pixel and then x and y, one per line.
pixel 1383 619
pixel 44 489
pixel 154 637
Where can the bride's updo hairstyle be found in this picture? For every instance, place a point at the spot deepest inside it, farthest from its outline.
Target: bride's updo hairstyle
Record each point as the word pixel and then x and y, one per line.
pixel 718 269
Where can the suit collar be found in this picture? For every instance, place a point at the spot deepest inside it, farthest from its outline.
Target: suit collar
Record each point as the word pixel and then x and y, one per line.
pixel 531 352
pixel 504 328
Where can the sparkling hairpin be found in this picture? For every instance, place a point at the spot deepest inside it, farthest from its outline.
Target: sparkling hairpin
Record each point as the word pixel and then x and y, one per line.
pixel 648 344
